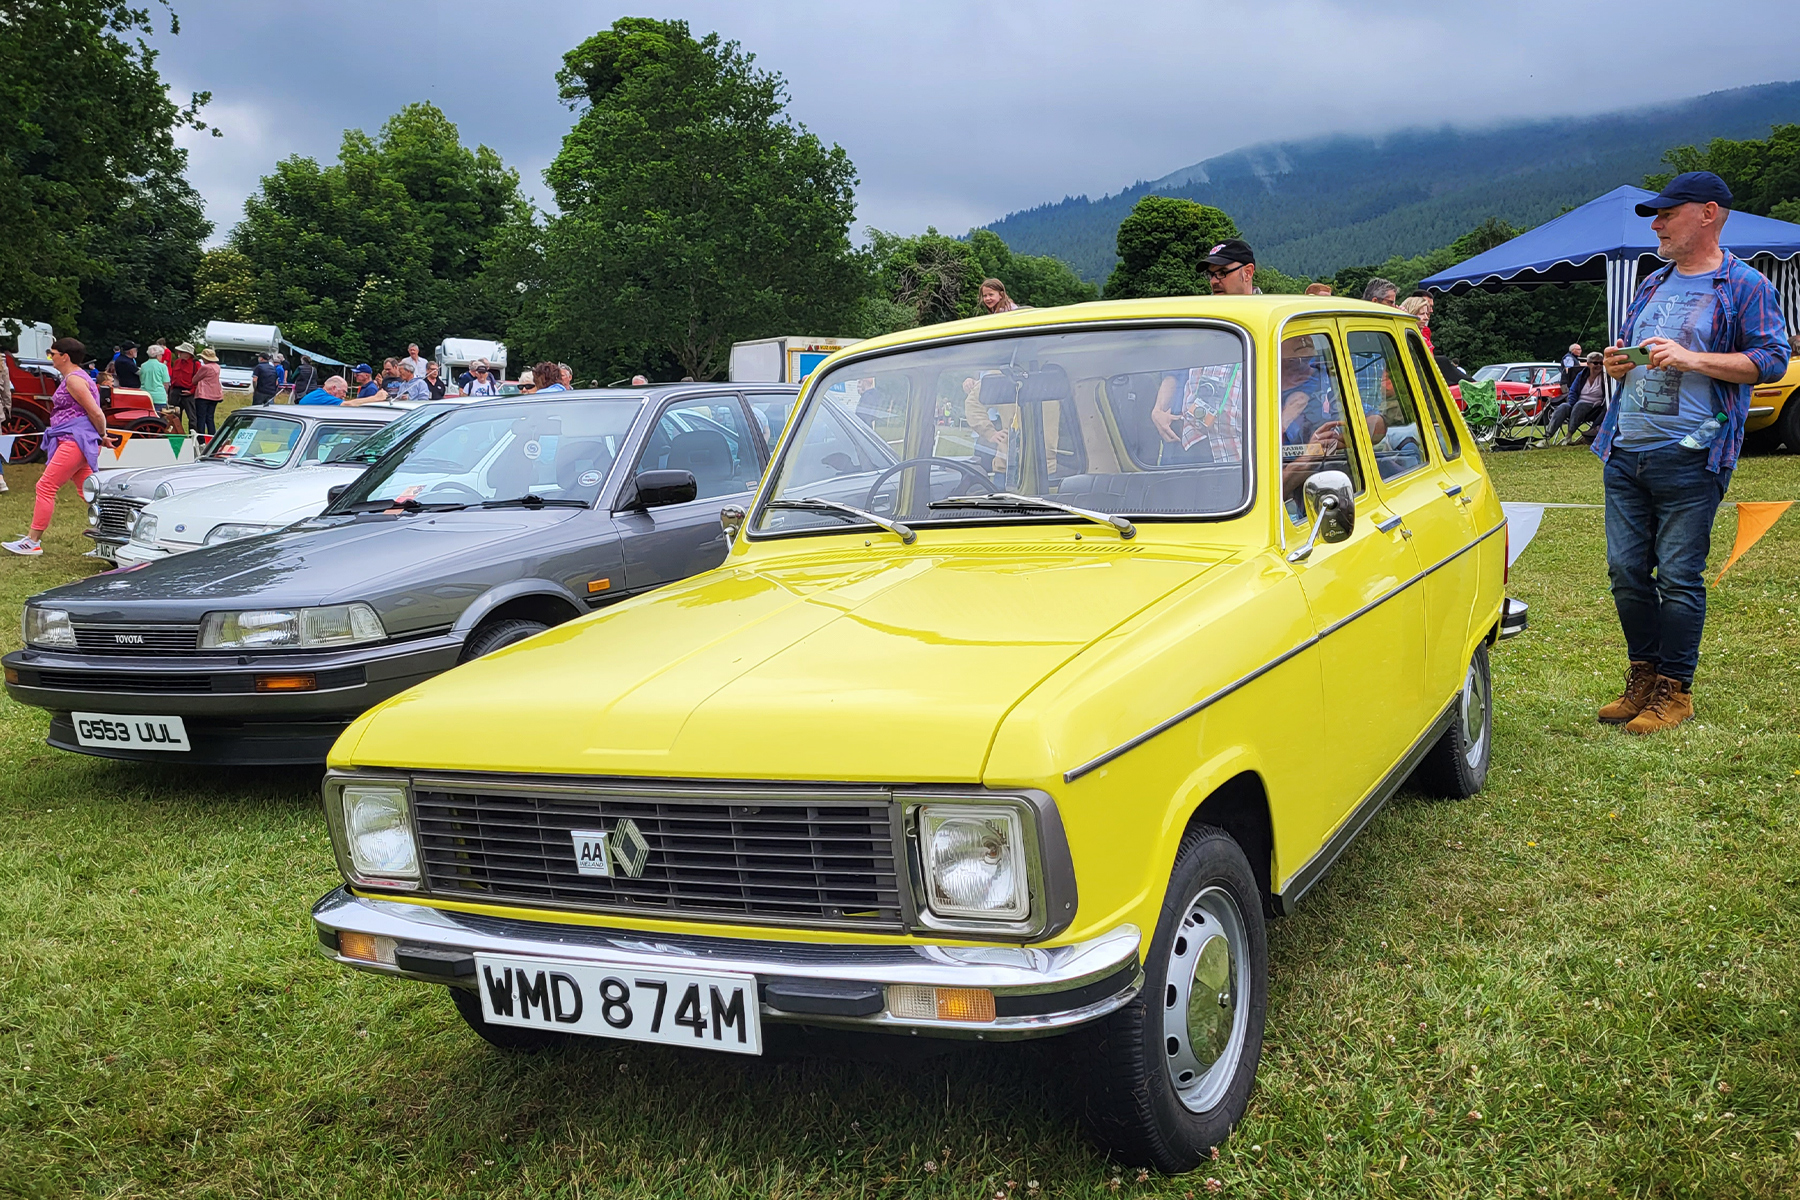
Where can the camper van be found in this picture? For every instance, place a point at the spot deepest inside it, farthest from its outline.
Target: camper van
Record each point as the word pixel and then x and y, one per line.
pixel 455 354
pixel 238 345
pixel 782 359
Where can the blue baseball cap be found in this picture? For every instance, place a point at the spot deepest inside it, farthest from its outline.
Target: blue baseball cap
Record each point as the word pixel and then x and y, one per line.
pixel 1689 187
pixel 362 369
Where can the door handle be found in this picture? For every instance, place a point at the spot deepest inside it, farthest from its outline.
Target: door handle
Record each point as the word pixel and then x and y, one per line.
pixel 1387 526
pixel 1451 489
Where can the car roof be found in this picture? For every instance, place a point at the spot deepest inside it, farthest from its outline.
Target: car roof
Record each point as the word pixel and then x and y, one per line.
pixel 654 391
pixel 364 414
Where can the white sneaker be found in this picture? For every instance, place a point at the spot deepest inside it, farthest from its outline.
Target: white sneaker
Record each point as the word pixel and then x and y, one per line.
pixel 24 546
pixel 3 487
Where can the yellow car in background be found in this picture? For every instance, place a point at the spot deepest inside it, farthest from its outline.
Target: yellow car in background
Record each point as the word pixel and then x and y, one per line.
pixel 1056 650
pixel 1774 415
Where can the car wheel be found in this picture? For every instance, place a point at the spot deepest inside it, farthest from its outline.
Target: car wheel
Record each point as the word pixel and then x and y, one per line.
pixel 1457 766
pixel 1789 422
pixel 504 1037
pixel 492 636
pixel 1763 441
pixel 1169 1075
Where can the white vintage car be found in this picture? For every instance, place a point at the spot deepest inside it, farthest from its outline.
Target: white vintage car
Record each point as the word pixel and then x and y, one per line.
pixel 263 503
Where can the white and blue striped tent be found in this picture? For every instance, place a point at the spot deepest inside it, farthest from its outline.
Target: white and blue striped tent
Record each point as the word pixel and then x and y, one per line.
pixel 1605 240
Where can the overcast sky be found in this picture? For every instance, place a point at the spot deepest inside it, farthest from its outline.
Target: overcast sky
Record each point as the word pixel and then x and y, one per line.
pixel 957 113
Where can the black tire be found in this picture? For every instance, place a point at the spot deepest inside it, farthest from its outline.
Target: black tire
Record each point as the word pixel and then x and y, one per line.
pixel 1789 422
pixel 495 634
pixel 1763 441
pixel 1135 1107
pixel 1456 767
pixel 512 1038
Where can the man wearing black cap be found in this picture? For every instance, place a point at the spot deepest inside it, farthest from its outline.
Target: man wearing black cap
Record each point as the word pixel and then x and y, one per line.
pixel 1231 269
pixel 1712 327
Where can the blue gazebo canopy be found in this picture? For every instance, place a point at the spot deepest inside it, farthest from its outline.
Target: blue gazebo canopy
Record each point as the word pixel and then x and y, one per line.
pixel 1605 240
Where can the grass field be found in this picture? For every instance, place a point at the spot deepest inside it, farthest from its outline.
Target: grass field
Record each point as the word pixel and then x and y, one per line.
pixel 1582 982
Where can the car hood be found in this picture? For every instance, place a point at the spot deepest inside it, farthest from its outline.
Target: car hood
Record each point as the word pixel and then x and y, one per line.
pixel 332 560
pixel 141 484
pixel 867 666
pixel 277 499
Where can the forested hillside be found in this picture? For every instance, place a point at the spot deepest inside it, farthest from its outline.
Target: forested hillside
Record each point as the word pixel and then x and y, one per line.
pixel 1313 207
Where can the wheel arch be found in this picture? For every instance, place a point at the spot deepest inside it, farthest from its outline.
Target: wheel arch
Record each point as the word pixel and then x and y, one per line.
pixel 1240 806
pixel 526 600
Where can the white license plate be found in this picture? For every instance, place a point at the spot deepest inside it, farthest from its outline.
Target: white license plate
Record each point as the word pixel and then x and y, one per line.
pixel 111 731
pixel 707 1012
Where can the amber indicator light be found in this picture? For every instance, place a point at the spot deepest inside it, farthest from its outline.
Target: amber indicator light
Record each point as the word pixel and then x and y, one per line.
pixel 286 683
pixel 357 945
pixel 965 1004
pixel 599 585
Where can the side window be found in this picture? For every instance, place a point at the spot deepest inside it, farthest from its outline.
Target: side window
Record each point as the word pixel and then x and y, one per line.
pixel 1388 402
pixel 1314 434
pixel 772 410
pixel 708 437
pixel 1519 375
pixel 1437 402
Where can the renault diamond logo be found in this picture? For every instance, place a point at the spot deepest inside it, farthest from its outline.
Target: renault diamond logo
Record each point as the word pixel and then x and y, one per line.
pixel 629 849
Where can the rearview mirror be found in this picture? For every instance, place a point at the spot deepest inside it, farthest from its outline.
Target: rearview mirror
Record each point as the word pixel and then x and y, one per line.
pixel 1331 506
pixel 657 489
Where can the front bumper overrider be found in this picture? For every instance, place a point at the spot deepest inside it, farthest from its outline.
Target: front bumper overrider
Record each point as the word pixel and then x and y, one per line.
pixel 1037 991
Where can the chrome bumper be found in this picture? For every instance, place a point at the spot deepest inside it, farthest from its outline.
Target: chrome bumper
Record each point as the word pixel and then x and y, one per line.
pixel 1514 616
pixel 1036 991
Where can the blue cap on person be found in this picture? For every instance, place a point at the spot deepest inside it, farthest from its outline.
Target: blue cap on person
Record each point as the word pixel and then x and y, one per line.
pixel 362 369
pixel 1689 187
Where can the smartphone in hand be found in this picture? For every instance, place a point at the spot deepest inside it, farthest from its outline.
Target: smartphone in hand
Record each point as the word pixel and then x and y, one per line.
pixel 1639 355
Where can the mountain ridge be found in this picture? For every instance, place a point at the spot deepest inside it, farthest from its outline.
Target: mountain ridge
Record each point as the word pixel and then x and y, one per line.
pixel 1311 206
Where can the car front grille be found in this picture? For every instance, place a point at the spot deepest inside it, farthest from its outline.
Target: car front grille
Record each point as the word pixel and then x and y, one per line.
pixel 137 639
pixel 821 861
pixel 124 681
pixel 117 517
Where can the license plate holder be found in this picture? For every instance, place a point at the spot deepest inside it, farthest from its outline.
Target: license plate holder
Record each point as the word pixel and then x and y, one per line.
pixel 700 1010
pixel 116 731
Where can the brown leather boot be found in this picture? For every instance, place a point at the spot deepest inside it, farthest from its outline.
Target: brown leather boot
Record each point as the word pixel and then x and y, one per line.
pixel 1670 704
pixel 1640 681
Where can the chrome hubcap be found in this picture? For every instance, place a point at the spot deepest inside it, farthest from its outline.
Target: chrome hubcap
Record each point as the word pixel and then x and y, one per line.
pixel 1474 717
pixel 1204 1014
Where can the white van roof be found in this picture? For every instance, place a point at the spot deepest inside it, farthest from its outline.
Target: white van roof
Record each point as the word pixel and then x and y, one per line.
pixel 235 335
pixel 463 351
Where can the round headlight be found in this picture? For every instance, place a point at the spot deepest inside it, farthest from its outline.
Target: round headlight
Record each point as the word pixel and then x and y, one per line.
pixel 163 491
pixel 93 508
pixel 90 488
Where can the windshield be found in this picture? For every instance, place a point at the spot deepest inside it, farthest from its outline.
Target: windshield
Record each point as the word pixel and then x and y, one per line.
pixel 257 439
pixel 492 453
pixel 366 450
pixel 1486 373
pixel 1119 421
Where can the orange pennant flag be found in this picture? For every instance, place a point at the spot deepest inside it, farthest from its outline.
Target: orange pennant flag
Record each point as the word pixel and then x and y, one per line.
pixel 124 436
pixel 1754 519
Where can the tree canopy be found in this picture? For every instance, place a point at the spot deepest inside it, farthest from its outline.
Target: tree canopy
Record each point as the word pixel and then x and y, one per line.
pixel 1763 175
pixel 99 232
pixel 1161 245
pixel 695 213
pixel 386 246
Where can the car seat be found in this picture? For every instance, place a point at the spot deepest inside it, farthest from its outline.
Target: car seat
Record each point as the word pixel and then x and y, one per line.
pixel 707 455
pixel 579 457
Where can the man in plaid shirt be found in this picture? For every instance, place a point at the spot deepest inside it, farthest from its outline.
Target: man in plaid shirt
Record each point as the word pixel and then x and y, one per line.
pixel 1711 328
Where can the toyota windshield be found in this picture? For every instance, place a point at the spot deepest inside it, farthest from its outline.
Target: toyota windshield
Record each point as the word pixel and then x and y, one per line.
pixel 1060 426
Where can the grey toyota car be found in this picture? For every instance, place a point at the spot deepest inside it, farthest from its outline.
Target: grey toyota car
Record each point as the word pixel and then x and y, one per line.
pixel 492 523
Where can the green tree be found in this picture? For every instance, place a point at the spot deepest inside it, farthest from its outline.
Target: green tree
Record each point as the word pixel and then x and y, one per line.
pixel 225 287
pixel 1034 279
pixel 90 176
pixel 387 246
pixel 931 276
pixel 1161 245
pixel 1763 175
pixel 695 213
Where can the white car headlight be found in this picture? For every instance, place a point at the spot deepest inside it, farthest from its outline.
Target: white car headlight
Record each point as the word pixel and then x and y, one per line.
pixel 378 838
pixel 974 860
pixel 48 627
pixel 90 488
pixel 93 508
pixel 291 628
pixel 144 532
pixel 232 531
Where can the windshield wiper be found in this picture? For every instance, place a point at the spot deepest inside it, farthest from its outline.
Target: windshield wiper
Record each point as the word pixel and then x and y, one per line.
pixel 407 505
pixel 1126 529
pixel 530 501
pixel 814 504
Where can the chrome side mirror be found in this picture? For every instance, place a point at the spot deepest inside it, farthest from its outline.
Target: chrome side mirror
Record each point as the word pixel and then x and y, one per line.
pixel 731 520
pixel 1331 505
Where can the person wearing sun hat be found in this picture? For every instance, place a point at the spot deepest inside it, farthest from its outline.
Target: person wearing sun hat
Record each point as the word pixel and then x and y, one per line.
pixel 1712 328
pixel 208 391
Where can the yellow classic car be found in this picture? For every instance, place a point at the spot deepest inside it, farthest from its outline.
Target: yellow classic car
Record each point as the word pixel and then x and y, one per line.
pixel 1056 650
pixel 1774 413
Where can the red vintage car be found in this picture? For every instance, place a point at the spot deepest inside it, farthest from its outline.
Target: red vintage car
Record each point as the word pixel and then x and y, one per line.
pixel 1539 384
pixel 34 382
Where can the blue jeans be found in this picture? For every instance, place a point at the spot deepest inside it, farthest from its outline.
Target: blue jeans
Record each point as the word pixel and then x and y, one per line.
pixel 1659 516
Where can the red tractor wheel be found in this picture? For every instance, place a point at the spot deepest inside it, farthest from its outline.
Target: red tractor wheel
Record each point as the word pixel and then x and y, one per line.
pixel 27 429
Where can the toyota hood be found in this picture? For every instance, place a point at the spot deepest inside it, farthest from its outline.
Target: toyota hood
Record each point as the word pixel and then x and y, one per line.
pixel 868 666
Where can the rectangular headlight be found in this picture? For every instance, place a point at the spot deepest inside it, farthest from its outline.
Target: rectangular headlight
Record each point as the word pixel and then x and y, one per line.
pixel 291 628
pixel 48 627
pixel 144 532
pixel 975 862
pixel 231 531
pixel 377 833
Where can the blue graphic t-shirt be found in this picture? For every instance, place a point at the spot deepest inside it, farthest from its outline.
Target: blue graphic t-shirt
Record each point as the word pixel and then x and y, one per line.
pixel 1659 408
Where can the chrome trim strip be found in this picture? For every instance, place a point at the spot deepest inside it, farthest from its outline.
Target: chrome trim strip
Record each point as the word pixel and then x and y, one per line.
pixel 1094 764
pixel 1762 410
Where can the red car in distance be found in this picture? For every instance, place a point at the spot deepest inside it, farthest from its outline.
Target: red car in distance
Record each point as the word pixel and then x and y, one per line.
pixel 1539 384
pixel 34 382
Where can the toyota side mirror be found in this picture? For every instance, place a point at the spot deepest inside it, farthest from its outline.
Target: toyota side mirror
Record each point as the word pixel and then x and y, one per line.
pixel 657 489
pixel 1331 506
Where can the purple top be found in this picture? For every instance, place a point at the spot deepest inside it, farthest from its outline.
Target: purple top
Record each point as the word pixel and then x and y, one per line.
pixel 69 420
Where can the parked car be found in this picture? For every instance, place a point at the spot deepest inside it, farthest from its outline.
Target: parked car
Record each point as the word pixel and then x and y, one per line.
pixel 1774 414
pixel 263 503
pixel 1017 728
pixel 255 442
pixel 492 523
pixel 1535 385
pixel 34 382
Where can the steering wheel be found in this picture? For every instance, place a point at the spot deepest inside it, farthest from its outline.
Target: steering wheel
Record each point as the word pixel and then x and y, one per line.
pixel 986 484
pixel 449 485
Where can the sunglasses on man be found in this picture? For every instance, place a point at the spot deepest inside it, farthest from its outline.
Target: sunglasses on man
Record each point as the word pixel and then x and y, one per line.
pixel 1217 275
